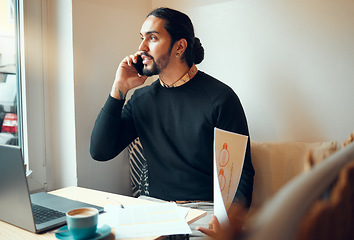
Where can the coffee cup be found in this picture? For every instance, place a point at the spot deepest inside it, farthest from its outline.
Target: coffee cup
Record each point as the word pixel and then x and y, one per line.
pixel 82 222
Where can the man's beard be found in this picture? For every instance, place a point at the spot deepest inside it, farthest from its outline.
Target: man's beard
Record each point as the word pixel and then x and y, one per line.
pixel 158 65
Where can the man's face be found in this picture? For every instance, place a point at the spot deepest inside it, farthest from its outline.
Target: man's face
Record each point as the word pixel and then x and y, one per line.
pixel 155 45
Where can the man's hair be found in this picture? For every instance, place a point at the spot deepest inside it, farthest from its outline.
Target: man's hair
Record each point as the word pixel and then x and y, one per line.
pixel 179 26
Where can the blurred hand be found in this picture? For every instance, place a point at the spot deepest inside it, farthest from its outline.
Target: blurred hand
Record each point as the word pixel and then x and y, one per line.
pixel 236 214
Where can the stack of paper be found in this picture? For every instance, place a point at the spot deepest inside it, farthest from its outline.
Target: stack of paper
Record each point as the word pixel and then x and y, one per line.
pixel 146 220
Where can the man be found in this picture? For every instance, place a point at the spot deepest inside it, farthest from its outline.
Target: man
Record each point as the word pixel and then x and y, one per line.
pixel 175 116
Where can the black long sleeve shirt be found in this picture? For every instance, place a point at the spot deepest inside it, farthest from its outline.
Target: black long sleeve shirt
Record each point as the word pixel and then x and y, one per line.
pixel 176 130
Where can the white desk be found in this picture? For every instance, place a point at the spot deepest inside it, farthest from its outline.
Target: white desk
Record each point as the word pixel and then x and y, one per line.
pixel 99 198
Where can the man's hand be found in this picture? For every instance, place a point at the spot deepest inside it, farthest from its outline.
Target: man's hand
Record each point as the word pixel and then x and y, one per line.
pixel 215 231
pixel 126 77
pixel 237 214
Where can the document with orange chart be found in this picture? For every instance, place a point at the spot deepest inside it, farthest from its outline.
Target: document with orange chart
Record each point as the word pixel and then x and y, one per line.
pixel 229 155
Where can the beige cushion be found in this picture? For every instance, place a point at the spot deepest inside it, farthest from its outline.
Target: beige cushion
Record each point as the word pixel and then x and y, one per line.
pixel 276 163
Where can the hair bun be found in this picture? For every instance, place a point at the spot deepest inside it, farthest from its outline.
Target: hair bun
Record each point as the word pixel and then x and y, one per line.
pixel 198 51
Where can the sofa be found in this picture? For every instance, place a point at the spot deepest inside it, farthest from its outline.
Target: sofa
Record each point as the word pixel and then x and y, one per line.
pixel 276 163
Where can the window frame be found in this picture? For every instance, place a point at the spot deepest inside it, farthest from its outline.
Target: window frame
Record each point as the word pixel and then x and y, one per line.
pixel 30 72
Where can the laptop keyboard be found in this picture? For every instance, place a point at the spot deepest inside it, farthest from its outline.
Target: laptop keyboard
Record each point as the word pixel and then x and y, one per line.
pixel 42 214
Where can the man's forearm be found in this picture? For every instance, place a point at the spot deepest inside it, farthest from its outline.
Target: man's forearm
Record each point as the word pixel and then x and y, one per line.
pixel 104 138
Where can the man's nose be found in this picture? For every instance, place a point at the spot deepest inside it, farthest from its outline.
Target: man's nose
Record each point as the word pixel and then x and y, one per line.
pixel 143 46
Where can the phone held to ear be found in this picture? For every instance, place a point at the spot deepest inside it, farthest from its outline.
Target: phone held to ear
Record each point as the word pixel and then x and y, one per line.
pixel 139 65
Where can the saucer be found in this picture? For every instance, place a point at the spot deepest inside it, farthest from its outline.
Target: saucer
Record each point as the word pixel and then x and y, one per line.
pixel 101 232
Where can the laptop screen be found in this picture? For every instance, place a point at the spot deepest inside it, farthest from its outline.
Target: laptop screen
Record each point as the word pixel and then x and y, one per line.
pixel 15 204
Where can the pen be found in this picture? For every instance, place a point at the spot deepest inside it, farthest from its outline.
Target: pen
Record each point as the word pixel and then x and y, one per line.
pixel 115 201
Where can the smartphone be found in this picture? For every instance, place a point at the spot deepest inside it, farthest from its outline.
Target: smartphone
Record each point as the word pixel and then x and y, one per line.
pixel 139 66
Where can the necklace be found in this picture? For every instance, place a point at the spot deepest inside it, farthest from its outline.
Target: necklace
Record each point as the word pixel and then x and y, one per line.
pixel 186 77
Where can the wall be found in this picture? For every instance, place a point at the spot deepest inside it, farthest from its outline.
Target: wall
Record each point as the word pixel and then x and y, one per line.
pixel 83 42
pixel 104 32
pixel 290 62
pixel 59 93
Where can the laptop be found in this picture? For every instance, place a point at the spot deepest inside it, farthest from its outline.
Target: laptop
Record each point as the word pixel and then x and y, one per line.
pixel 37 212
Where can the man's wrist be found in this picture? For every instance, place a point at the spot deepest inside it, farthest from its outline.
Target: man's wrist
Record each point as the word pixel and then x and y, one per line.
pixel 118 92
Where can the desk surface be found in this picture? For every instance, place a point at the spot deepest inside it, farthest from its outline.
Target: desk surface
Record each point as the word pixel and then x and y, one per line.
pixel 8 231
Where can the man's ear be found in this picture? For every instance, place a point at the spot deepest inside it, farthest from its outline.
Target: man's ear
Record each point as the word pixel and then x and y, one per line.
pixel 181 46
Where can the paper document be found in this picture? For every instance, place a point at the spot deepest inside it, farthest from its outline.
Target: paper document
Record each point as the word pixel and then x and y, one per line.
pixel 229 155
pixel 146 220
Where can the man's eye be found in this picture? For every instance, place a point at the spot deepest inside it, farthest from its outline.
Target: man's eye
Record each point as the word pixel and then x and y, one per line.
pixel 153 37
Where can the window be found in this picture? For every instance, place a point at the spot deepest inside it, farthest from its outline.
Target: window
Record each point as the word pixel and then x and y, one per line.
pixel 21 91
pixel 9 107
